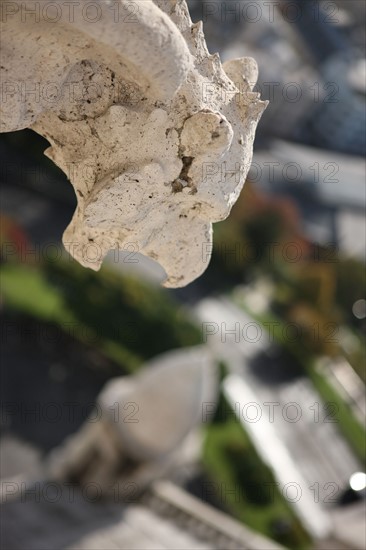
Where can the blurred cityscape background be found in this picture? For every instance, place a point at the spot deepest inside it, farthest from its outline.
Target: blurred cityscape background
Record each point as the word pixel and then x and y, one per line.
pixel 282 305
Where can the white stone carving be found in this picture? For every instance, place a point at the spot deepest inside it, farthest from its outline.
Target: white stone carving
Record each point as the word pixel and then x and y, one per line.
pixel 147 424
pixel 153 132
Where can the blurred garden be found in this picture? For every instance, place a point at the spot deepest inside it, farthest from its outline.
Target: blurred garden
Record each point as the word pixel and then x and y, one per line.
pixel 89 327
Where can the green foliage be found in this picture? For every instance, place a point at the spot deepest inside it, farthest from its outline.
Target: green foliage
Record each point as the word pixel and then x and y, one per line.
pixel 350 285
pixel 250 473
pixel 129 320
pixel 244 485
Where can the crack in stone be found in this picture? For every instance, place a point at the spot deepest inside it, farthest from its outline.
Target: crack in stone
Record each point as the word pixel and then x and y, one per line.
pixel 184 180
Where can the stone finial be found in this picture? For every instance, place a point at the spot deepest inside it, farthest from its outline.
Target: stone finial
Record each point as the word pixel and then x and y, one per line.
pixel 153 132
pixel 146 423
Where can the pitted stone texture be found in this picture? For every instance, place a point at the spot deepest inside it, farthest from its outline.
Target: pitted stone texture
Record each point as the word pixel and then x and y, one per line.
pixel 152 132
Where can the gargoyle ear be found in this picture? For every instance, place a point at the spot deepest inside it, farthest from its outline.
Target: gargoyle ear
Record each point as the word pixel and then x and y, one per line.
pixel 206 132
pixel 243 72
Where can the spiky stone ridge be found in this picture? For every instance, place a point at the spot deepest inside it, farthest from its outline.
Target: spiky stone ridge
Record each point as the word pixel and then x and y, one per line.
pixel 154 133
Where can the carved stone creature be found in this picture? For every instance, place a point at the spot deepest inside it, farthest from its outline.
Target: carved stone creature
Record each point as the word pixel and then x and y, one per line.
pixel 154 133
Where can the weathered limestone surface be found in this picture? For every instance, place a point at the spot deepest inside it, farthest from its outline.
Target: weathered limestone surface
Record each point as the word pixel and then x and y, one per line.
pixel 153 132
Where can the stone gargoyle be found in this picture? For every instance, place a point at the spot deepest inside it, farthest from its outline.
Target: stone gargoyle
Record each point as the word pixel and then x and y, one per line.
pixel 154 133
